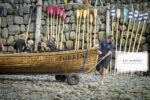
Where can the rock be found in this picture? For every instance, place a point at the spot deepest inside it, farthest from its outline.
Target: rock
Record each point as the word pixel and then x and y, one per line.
pixel 43 22
pixel 102 18
pixel 3 22
pixel 26 10
pixel 101 10
pixel 76 7
pixel 18 20
pixel 22 28
pixel 70 13
pixel 67 20
pixel 32 27
pixel 143 40
pixel 72 35
pixel 10 41
pixel 102 27
pixel 97 29
pixel 5 33
pixel 146 47
pixel 68 7
pixel 14 28
pixel 69 44
pixel 66 28
pixel 67 35
pixel 11 49
pixel 28 1
pixel 148 38
pixel 58 1
pixel 4 41
pixel 101 35
pixel 21 11
pixel 33 1
pixel 16 37
pixel 5 49
pixel 121 27
pixel 73 27
pixel 98 22
pixel 26 18
pixel 31 36
pixel 11 11
pixel 10 19
pixel 72 19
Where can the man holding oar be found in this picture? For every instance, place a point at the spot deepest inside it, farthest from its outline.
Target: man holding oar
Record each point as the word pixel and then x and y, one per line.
pixel 104 49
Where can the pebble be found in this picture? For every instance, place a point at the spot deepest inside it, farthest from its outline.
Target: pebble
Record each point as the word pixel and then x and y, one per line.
pixel 45 87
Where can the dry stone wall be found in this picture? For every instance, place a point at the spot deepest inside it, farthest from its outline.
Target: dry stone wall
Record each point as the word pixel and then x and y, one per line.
pixel 16 15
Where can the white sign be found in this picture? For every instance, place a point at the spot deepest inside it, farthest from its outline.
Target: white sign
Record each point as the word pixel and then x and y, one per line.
pixel 131 61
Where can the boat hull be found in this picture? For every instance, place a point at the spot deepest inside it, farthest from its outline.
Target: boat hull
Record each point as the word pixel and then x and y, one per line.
pixel 48 62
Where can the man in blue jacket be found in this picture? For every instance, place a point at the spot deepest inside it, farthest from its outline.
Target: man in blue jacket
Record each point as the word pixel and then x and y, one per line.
pixel 104 48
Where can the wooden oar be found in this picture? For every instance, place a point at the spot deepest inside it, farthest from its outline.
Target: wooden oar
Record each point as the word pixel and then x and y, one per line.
pixel 78 45
pixel 29 22
pixel 77 15
pixel 84 17
pixel 58 38
pixel 47 20
pixel 127 34
pixel 62 34
pixel 125 13
pixel 113 13
pixel 51 15
pixel 91 25
pixel 118 14
pixel 57 21
pixel 95 16
pixel 87 27
pixel 135 17
pixel 145 18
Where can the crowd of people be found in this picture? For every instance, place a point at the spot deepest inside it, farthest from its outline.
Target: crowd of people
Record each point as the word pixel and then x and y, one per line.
pixel 23 45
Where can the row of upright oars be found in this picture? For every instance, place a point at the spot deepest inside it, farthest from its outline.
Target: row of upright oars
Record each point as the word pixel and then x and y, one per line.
pixel 87 24
pixel 128 37
pixel 56 16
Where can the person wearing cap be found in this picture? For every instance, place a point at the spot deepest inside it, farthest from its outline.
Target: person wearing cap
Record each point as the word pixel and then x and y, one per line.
pixel 104 49
pixel 52 43
pixel 42 45
pixel 20 44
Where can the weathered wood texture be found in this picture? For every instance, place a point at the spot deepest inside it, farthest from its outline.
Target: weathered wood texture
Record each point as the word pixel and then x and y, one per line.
pixel 49 62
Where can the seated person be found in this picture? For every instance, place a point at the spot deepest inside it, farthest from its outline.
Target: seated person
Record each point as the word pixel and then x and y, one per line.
pixel 42 45
pixel 52 43
pixel 20 44
pixel 30 45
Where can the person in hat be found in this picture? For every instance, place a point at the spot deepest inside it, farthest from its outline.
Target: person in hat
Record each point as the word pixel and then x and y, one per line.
pixel 104 49
pixel 52 43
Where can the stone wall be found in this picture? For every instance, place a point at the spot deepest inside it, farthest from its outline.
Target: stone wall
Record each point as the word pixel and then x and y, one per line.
pixel 16 15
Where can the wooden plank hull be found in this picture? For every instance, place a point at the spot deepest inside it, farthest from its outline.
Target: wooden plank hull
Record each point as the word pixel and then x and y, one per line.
pixel 48 62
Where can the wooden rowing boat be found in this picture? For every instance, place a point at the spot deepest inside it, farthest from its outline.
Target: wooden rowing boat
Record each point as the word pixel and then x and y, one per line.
pixel 48 62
